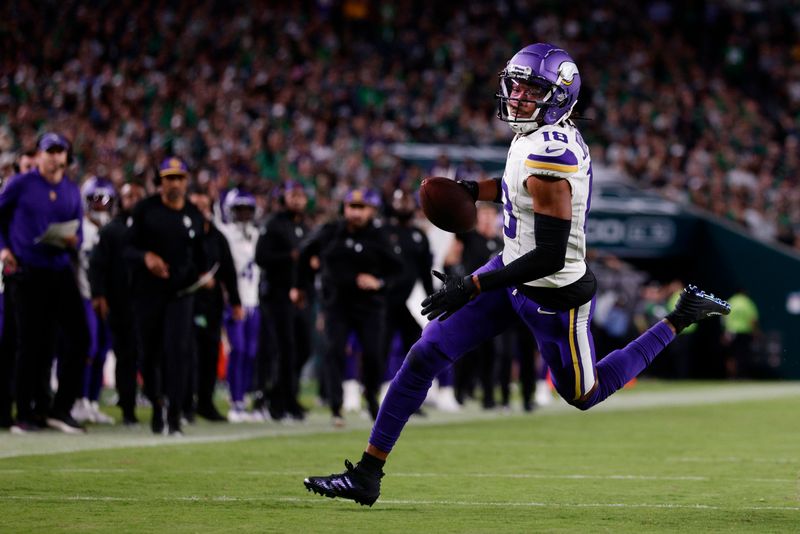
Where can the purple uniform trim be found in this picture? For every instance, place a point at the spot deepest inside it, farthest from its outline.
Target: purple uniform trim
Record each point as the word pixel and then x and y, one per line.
pixel 99 345
pixel 567 158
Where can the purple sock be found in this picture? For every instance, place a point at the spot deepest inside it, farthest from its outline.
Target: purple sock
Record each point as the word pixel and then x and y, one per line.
pixel 620 366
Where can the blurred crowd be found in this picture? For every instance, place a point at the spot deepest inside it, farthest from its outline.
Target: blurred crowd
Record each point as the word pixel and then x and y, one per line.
pixel 699 101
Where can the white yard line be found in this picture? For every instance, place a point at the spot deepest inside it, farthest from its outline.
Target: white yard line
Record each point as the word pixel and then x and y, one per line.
pixel 732 459
pixel 394 502
pixel 522 476
pixel 117 437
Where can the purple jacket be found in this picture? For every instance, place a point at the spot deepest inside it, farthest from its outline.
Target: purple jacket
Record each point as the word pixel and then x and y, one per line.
pixel 28 205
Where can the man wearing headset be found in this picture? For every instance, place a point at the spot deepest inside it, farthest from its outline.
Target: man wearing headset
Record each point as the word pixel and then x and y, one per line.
pixel 40 232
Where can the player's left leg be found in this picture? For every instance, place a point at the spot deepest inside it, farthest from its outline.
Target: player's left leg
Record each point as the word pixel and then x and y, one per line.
pixel 442 343
pixel 96 379
pixel 252 333
pixel 235 371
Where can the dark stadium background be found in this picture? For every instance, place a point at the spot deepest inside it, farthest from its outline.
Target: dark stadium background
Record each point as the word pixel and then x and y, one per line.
pixel 691 110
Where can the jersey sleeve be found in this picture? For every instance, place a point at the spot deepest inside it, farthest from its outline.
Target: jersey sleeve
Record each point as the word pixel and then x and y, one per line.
pixel 553 158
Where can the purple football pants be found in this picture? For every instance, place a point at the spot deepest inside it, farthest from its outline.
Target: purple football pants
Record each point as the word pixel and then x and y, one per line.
pixel 564 339
pixel 243 338
pixel 99 345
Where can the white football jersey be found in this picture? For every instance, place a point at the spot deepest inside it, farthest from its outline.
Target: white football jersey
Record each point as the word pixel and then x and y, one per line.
pixel 242 239
pixel 557 151
pixel 91 235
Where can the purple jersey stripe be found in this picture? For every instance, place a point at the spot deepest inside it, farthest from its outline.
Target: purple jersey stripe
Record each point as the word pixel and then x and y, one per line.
pixel 567 158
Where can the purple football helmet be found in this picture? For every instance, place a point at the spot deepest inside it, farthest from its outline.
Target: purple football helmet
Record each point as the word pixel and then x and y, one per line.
pixel 98 194
pixel 550 70
pixel 239 206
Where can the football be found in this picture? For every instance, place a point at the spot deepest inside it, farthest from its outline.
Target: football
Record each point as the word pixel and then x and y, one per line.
pixel 447 204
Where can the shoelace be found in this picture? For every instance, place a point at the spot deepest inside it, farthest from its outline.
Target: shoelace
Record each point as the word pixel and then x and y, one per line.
pixel 708 296
pixel 351 471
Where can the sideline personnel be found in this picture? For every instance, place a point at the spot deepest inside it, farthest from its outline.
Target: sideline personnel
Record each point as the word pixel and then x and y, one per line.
pixel 167 250
pixel 46 287
pixel 357 265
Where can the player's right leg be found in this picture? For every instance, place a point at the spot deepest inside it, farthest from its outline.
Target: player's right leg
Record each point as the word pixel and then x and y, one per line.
pixel 441 344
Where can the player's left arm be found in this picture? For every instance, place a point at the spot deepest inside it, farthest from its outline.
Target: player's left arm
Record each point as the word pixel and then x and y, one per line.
pixel 552 216
pixel 490 190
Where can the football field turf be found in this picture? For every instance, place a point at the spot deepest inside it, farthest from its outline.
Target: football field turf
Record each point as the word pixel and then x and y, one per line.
pixel 662 457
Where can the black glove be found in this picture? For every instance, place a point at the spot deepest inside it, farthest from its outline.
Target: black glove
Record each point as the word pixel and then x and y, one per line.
pixel 471 187
pixel 455 292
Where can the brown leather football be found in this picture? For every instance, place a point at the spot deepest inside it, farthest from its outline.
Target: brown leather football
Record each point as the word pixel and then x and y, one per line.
pixel 447 204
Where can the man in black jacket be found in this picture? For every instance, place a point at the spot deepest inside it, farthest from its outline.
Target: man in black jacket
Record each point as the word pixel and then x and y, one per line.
pixel 357 266
pixel 413 250
pixel 277 251
pixel 168 255
pixel 209 304
pixel 110 281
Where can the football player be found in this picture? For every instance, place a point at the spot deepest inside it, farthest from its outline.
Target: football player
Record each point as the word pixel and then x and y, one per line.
pixel 98 196
pixel 541 275
pixel 240 230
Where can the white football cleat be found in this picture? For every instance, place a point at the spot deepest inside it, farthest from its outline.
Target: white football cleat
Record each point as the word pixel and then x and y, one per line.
pixel 236 415
pixel 351 396
pixel 446 400
pixel 543 394
pixel 82 411
pixel 99 417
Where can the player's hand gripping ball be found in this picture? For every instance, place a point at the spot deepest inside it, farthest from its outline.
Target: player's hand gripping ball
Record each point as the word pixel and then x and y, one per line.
pixel 447 204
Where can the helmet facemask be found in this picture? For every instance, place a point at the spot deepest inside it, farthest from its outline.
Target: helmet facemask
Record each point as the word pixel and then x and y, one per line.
pixel 517 92
pixel 243 213
pixel 98 196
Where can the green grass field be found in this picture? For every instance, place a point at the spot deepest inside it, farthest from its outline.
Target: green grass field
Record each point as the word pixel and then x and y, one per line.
pixel 663 457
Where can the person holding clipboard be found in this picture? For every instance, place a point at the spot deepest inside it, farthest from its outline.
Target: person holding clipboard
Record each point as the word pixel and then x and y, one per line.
pixel 40 232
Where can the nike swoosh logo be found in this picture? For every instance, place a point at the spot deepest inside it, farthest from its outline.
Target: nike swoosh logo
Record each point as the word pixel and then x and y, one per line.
pixel 545 312
pixel 547 149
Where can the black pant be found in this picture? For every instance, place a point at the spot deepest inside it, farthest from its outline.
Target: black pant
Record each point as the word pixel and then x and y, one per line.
pixel 517 343
pixel 207 337
pixel 528 349
pixel 290 328
pixel 48 304
pixel 8 352
pixel 127 350
pixel 399 319
pixel 165 330
pixel 368 324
